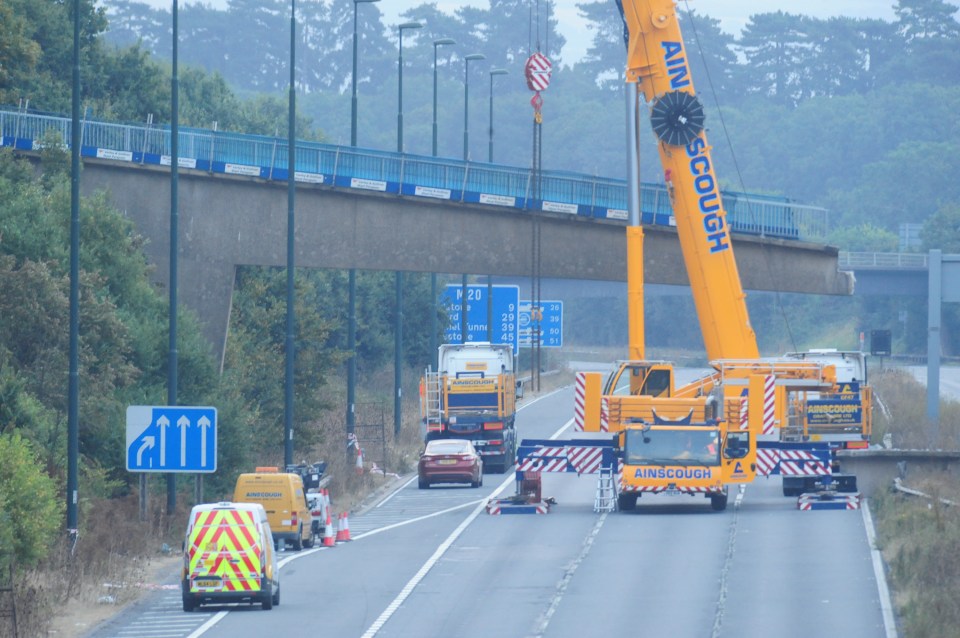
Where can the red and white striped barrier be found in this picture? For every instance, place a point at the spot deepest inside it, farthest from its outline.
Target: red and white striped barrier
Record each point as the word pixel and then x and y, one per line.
pixel 579 392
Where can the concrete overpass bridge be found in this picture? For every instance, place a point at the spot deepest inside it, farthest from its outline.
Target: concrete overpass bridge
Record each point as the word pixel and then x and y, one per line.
pixel 375 210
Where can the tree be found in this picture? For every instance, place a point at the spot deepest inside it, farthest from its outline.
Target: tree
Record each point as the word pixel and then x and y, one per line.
pixel 864 238
pixel 919 20
pixel 604 60
pixel 777 47
pixel 30 507
pixel 942 229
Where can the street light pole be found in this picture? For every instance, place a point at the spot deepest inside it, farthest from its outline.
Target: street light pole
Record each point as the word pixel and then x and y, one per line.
pixel 405 25
pixel 353 101
pixel 352 286
pixel 437 43
pixel 433 275
pixel 493 72
pixel 466 100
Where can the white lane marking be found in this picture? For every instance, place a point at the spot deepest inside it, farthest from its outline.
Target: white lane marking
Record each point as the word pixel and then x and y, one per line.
pixel 395 492
pixel 886 607
pixel 420 518
pixel 442 549
pixel 544 619
pixel 221 615
pixel 427 566
pixel 727 560
pixel 202 629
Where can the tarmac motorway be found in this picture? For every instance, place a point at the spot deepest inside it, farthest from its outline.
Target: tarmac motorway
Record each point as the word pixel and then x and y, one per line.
pixel 434 563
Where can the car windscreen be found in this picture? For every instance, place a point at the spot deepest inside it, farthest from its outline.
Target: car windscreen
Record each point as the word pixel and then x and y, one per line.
pixel 447 447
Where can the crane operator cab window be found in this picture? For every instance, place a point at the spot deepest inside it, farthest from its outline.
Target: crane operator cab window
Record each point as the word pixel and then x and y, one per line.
pixel 642 379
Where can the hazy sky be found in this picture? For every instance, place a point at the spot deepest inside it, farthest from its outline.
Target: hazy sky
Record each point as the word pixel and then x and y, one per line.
pixel 733 14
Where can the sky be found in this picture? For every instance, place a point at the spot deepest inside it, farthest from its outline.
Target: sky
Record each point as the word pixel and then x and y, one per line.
pixel 732 14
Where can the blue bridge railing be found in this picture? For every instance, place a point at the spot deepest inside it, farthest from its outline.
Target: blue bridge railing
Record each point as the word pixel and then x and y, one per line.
pixel 402 174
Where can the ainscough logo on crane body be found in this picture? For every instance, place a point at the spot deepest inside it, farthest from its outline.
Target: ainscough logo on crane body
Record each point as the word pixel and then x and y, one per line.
pixel 709 199
pixel 676 63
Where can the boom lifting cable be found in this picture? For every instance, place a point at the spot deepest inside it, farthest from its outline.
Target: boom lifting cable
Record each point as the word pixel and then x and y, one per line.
pixel 736 165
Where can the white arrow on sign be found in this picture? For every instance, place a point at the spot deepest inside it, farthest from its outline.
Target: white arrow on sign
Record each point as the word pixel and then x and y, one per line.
pixel 148 442
pixel 183 423
pixel 204 424
pixel 164 423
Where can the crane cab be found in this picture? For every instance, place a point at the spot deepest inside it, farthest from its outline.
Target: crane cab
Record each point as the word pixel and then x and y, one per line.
pixel 647 378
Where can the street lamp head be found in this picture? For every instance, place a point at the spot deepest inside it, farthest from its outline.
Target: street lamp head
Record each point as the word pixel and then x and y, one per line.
pixel 444 41
pixel 409 25
pixel 499 72
pixel 474 56
pixel 359 1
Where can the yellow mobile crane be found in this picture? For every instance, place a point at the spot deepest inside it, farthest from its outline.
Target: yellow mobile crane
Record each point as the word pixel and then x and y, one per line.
pixel 702 437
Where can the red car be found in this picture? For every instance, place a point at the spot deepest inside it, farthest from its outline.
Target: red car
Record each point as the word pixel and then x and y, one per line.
pixel 450 461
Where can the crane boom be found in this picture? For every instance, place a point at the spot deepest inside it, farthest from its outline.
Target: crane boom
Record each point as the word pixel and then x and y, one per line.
pixel 657 63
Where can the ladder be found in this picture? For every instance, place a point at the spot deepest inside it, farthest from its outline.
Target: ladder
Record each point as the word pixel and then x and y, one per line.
pixel 606 500
pixel 431 407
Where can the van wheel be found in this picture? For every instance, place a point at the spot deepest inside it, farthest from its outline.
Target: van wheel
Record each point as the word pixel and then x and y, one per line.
pixel 298 541
pixel 189 604
pixel 309 542
pixel 276 596
pixel 267 601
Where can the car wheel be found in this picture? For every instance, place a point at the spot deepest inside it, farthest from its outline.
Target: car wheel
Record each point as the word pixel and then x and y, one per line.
pixel 423 484
pixel 475 483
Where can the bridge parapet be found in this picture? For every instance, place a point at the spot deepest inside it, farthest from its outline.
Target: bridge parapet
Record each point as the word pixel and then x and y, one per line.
pixel 877 469
pixel 882 261
pixel 404 174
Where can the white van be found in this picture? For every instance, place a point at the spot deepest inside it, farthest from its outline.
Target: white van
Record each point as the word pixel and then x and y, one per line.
pixel 228 556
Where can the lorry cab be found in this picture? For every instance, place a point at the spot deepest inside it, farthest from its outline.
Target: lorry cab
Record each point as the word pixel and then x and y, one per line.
pixel 284 498
pixel 228 556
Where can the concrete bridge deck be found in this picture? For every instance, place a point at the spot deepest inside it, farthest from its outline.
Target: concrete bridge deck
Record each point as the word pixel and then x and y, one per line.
pixel 231 221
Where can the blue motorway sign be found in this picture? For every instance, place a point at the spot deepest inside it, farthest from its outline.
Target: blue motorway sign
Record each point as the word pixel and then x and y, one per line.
pixel 506 299
pixel 550 316
pixel 171 438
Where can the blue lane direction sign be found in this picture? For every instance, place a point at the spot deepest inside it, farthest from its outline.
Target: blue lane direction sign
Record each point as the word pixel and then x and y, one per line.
pixel 550 314
pixel 506 299
pixel 171 439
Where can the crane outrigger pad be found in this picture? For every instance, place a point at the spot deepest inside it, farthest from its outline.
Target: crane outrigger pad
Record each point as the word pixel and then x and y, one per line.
pixel 829 501
pixel 509 506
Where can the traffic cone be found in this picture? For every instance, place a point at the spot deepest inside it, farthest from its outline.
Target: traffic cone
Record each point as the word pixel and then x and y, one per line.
pixel 328 532
pixel 359 461
pixel 343 530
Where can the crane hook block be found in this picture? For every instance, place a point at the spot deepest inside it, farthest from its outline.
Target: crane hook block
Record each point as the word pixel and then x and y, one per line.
pixel 677 118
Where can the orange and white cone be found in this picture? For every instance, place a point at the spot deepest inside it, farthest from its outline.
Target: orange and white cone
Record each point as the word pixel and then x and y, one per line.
pixel 346 527
pixel 343 528
pixel 359 461
pixel 328 540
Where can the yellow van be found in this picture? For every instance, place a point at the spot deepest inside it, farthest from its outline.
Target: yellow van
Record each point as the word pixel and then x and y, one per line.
pixel 283 497
pixel 228 556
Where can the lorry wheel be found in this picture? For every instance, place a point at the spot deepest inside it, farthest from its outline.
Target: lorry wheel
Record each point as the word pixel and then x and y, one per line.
pixel 718 502
pixel 627 502
pixel 298 541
